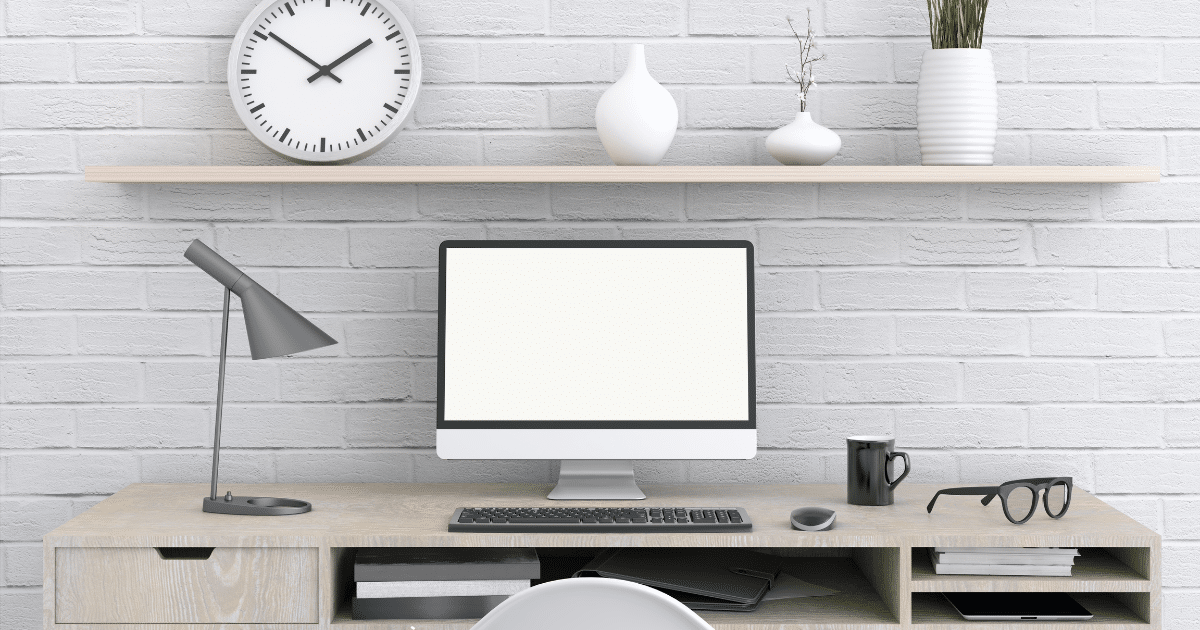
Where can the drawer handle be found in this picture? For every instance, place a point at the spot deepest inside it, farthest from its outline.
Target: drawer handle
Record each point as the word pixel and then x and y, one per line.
pixel 184 553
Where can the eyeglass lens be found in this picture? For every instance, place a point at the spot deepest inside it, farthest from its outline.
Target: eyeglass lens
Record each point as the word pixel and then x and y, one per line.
pixel 1056 498
pixel 1021 502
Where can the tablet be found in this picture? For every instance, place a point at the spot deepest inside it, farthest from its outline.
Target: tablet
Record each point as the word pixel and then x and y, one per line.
pixel 1017 607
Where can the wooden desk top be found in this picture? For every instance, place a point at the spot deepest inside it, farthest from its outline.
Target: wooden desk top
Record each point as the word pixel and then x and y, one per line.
pixel 369 515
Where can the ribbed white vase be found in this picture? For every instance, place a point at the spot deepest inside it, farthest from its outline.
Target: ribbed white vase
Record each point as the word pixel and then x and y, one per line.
pixel 636 117
pixel 956 107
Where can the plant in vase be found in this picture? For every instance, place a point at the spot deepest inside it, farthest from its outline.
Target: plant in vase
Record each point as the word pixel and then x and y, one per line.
pixel 956 93
pixel 803 142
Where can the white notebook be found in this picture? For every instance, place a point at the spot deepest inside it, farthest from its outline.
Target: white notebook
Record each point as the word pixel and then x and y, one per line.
pixel 1001 558
pixel 448 588
pixel 1003 569
pixel 1033 551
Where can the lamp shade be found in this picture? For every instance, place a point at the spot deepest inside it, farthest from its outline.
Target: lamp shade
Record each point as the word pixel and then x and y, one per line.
pixel 274 329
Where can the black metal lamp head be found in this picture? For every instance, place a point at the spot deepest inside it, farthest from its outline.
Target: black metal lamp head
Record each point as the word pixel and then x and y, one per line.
pixel 274 330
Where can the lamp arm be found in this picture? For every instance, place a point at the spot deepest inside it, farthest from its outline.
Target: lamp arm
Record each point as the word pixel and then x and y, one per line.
pixel 220 393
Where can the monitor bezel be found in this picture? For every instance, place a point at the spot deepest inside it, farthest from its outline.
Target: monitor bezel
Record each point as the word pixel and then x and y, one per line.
pixel 442 423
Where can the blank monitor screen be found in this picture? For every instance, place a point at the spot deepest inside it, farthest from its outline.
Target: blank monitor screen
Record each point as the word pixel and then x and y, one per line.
pixel 596 334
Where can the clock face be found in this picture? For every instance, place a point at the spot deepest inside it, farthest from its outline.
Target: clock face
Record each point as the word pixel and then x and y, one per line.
pixel 324 81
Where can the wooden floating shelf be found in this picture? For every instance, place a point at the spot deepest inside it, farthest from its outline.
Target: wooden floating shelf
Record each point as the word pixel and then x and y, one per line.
pixel 621 174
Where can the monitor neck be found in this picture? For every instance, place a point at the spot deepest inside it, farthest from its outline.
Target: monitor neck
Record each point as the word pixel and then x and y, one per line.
pixel 603 479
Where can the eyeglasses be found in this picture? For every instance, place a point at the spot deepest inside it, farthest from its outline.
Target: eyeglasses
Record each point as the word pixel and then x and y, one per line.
pixel 1020 496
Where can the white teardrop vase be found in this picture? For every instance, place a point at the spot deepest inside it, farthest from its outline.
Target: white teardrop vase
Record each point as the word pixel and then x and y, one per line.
pixel 636 117
pixel 803 142
pixel 956 107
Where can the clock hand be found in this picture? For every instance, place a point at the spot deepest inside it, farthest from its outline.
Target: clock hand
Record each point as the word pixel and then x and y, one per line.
pixel 338 61
pixel 303 56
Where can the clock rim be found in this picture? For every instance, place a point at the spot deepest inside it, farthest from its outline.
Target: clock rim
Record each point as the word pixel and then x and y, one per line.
pixel 406 108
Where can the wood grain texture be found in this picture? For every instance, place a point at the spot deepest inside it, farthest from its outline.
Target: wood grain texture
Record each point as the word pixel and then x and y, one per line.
pixel 867 556
pixel 1147 561
pixel 619 174
pixel 234 585
pixel 886 568
pixel 1096 571
pixel 416 515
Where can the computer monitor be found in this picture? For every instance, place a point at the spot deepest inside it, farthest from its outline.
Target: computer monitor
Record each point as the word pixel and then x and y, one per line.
pixel 596 353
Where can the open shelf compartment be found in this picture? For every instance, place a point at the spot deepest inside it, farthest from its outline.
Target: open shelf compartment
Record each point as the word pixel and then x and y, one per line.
pixel 1097 569
pixel 1112 611
pixel 858 574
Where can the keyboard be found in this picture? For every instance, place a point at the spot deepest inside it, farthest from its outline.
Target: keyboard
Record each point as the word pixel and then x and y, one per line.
pixel 600 520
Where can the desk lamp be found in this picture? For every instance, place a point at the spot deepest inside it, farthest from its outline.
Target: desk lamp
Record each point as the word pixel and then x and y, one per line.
pixel 274 330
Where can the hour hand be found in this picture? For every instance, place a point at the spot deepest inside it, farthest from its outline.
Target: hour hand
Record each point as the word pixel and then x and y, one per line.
pixel 303 56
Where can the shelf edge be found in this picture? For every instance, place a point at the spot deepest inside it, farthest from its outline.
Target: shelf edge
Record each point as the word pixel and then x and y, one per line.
pixel 621 174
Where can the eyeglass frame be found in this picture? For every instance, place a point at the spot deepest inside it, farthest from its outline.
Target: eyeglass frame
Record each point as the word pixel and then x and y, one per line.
pixel 1038 485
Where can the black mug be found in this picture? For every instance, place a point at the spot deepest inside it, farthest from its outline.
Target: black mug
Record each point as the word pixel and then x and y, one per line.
pixel 868 463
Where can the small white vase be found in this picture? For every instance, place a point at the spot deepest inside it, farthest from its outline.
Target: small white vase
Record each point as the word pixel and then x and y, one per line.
pixel 636 117
pixel 803 142
pixel 956 107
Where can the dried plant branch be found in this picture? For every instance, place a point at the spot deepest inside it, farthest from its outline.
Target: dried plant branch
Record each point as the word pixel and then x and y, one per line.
pixel 956 23
pixel 808 56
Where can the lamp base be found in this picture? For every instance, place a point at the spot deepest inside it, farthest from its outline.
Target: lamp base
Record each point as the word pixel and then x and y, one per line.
pixel 255 506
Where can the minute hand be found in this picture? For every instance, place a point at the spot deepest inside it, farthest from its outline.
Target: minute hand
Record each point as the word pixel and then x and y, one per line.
pixel 338 61
pixel 303 56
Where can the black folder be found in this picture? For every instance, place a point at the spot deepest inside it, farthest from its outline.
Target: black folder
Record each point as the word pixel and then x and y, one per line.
pixel 702 579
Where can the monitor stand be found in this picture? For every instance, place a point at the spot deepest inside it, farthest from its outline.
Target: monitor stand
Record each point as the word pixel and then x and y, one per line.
pixel 604 479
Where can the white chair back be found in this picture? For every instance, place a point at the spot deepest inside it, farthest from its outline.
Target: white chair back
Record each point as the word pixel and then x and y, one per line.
pixel 591 604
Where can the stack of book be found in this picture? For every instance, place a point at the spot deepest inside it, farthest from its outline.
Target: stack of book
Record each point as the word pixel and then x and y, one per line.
pixel 1054 561
pixel 439 583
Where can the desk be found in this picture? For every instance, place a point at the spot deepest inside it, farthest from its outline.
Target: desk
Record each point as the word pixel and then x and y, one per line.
pixel 103 572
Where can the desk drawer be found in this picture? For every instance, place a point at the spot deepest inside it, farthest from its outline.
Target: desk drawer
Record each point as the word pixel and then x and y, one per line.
pixel 139 585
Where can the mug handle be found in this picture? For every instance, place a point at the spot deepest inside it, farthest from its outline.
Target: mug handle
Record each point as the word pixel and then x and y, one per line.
pixel 907 467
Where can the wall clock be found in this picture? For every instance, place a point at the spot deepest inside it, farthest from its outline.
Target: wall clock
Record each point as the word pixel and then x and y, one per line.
pixel 324 81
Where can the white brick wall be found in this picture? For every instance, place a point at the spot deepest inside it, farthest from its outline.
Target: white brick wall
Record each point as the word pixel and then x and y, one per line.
pixel 997 330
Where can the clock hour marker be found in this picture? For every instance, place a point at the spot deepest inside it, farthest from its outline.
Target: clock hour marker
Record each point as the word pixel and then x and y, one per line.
pixel 322 145
pixel 284 136
pixel 260 36
pixel 392 36
pixel 362 135
pixel 258 107
pixel 390 108
pixel 366 8
pixel 401 72
pixel 249 71
pixel 289 8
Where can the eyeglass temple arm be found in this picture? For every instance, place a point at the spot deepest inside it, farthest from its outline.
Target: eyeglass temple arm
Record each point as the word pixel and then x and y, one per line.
pixel 990 493
pixel 1038 480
